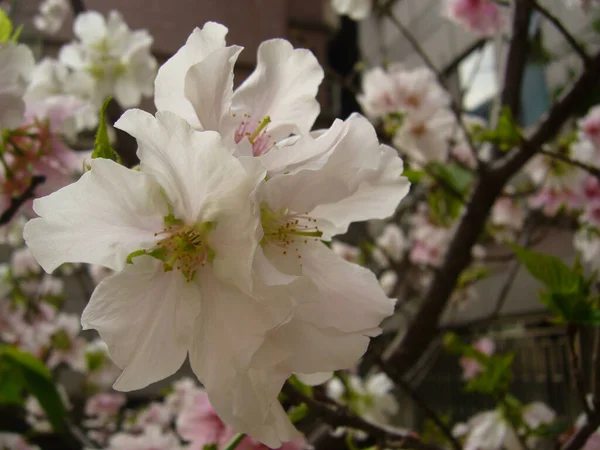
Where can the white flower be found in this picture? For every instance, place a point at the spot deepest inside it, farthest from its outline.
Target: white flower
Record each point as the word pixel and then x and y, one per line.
pixel 52 15
pixel 16 64
pixel 426 138
pixel 276 100
pixel 117 58
pixel 52 79
pixel 588 243
pixel 190 228
pixel 393 242
pixel 355 9
pixel 371 398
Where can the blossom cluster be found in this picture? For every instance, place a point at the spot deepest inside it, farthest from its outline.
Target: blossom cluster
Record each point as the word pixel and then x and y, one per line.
pixel 216 249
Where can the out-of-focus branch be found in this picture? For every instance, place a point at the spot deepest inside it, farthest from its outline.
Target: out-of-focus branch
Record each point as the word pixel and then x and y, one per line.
pixel 78 6
pixel 336 415
pixel 488 188
pixel 572 333
pixel 17 202
pixel 518 53
pixel 581 436
pixel 577 48
pixel 596 370
pixel 592 170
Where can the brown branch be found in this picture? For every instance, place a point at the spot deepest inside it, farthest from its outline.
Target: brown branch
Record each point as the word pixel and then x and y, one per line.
pixel 424 327
pixel 581 436
pixel 17 202
pixel 78 6
pixel 336 415
pixel 518 53
pixel 563 31
pixel 596 371
pixel 572 332
pixel 587 167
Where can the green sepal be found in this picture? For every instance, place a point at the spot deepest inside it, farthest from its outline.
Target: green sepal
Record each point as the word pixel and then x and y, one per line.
pixel 102 146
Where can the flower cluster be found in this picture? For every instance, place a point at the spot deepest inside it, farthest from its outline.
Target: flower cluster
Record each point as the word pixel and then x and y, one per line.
pixel 480 16
pixel 217 246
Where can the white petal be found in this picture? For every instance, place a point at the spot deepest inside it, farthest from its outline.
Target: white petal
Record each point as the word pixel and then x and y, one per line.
pixel 110 212
pixel 147 317
pixel 90 27
pixel 314 379
pixel 354 154
pixel 194 168
pixel 12 111
pixel 283 86
pixel 350 296
pixel 127 92
pixel 170 81
pixel 209 86
pixel 377 197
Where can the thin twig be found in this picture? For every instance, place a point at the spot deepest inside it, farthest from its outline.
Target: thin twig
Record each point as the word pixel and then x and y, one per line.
pixel 572 332
pixel 336 415
pixel 596 371
pixel 581 436
pixel 562 30
pixel 592 170
pixel 17 202
pixel 78 6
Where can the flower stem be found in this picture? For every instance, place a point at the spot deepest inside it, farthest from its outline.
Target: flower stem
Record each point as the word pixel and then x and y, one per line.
pixel 235 441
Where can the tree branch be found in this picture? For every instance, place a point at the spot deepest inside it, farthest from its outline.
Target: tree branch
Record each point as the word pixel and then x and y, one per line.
pixel 17 202
pixel 517 57
pixel 336 415
pixel 576 367
pixel 78 6
pixel 577 48
pixel 581 436
pixel 488 188
pixel 587 167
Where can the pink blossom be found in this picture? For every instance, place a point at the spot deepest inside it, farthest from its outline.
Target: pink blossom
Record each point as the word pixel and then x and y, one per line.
pixel 153 438
pixel 481 16
pixel 104 404
pixel 37 148
pixel 552 198
pixel 593 442
pixel 470 366
pixel 23 263
pixel 66 346
pixel 508 216
pixel 429 241
pixel 155 414
pixel 590 125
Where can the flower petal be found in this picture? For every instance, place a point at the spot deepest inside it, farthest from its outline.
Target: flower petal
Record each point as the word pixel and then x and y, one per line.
pixel 209 86
pixel 194 168
pixel 170 81
pixel 377 197
pixel 110 212
pixel 283 86
pixel 147 317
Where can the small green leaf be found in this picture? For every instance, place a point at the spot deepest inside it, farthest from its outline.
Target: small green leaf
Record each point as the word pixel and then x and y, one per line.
pixel 36 379
pixel 6 27
pixel 17 34
pixel 297 413
pixel 102 147
pixel 506 135
pixel 210 447
pixel 413 175
pixel 304 388
pixel 548 269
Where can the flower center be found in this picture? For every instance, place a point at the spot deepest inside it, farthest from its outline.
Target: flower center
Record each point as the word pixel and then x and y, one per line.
pixel 181 247
pixel 288 230
pixel 256 133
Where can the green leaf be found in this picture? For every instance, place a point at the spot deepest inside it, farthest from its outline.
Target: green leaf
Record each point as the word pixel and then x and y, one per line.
pixel 413 175
pixel 304 388
pixel 506 135
pixel 6 27
pixel 297 413
pixel 495 378
pixel 446 201
pixel 36 379
pixel 548 269
pixel 102 147
pixel 210 447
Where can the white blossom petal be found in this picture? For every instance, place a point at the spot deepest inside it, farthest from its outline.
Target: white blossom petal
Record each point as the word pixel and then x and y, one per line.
pixel 110 212
pixel 147 317
pixel 170 81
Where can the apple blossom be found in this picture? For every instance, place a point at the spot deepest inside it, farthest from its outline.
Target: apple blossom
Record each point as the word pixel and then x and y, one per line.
pixel 117 58
pixel 355 9
pixel 371 398
pixel 480 16
pixel 16 64
pixel 51 16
